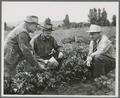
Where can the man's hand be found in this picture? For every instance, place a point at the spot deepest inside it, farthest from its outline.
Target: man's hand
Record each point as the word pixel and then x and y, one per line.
pixel 53 61
pixel 42 67
pixel 89 59
pixel 46 61
pixel 88 63
pixel 60 55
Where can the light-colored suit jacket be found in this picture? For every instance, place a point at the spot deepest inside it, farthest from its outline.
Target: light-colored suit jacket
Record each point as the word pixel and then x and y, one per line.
pixel 104 46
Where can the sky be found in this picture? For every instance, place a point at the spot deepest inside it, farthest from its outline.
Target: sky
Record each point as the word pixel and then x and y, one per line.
pixel 77 11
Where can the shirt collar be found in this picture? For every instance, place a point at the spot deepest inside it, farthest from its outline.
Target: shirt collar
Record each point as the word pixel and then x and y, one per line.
pixel 98 40
pixel 43 37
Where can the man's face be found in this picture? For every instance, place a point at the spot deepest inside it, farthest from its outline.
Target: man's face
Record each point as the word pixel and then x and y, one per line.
pixel 94 35
pixel 32 27
pixel 47 34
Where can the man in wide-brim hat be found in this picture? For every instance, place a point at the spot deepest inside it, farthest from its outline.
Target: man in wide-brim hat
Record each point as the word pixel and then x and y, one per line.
pixel 45 46
pixel 18 48
pixel 101 52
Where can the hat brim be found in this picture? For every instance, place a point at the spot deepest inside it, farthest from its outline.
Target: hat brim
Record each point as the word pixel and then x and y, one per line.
pixel 48 29
pixel 93 31
pixel 31 22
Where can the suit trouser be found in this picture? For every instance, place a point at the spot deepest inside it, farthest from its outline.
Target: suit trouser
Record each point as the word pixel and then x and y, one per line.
pixel 101 65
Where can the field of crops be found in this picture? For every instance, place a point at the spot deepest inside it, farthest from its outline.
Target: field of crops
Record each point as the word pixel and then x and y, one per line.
pixel 72 78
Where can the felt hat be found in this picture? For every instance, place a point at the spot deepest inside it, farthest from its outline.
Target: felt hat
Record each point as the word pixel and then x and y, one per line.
pixel 32 19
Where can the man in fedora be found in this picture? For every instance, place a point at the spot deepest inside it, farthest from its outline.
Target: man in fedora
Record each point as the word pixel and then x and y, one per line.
pixel 45 46
pixel 18 48
pixel 100 57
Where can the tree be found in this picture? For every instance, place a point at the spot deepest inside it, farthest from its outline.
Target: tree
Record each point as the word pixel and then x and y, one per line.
pixel 104 20
pixel 104 14
pixel 93 16
pixel 99 14
pixel 47 21
pixel 59 26
pixel 107 23
pixel 99 17
pixel 66 21
pixel 113 20
pixel 90 15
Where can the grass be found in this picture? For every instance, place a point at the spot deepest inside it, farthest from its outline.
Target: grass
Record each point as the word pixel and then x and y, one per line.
pixel 61 33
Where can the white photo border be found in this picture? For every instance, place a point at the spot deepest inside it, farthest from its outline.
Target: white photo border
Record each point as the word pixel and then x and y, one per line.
pixel 117 62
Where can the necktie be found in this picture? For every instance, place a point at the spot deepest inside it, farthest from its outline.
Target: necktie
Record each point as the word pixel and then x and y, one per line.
pixel 94 46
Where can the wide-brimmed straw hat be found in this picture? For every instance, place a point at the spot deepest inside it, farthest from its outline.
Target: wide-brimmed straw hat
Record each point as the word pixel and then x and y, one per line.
pixel 94 28
pixel 32 19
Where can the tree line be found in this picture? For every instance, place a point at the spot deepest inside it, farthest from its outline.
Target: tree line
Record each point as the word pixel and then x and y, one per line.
pixel 95 16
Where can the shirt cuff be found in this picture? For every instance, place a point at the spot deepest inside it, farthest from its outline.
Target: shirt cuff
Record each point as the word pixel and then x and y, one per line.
pixel 92 55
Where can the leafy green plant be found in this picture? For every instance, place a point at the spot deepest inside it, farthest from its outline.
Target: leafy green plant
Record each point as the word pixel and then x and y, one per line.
pixel 73 68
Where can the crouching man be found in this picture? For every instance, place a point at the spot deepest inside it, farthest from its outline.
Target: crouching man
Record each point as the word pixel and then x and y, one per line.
pixel 100 57
pixel 45 46
pixel 18 48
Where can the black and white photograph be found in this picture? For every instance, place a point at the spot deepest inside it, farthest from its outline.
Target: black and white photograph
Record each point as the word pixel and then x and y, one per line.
pixel 59 49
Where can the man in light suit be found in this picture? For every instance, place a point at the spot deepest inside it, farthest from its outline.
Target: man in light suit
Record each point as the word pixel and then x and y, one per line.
pixel 101 51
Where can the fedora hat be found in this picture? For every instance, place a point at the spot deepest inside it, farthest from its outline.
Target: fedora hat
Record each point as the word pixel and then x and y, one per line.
pixel 32 19
pixel 94 28
pixel 48 27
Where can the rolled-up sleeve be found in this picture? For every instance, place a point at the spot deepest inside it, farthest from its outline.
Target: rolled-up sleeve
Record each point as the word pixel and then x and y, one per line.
pixel 25 47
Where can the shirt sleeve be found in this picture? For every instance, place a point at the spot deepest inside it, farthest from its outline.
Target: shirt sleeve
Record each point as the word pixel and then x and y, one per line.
pixel 35 46
pixel 57 47
pixel 25 47
pixel 104 46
